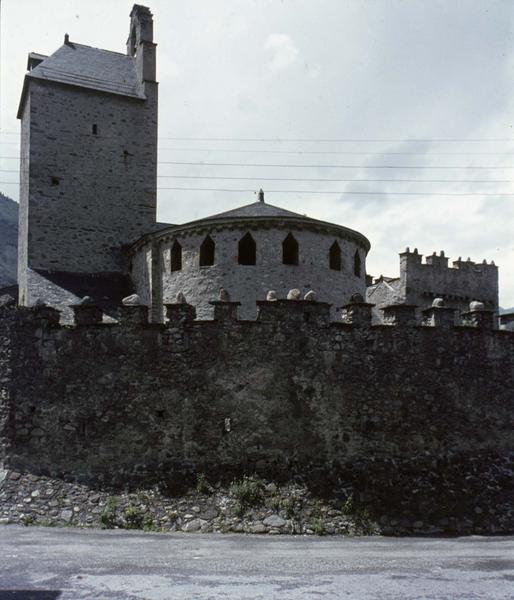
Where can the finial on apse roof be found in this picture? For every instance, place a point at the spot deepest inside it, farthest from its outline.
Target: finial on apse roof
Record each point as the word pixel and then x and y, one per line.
pixel 261 195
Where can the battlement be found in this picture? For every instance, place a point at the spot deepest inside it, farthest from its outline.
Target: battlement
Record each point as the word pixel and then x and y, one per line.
pixel 440 261
pixel 283 312
pixel 136 401
pixel 458 284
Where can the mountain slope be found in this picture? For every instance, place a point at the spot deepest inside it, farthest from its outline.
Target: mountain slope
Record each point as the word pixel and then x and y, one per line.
pixel 8 240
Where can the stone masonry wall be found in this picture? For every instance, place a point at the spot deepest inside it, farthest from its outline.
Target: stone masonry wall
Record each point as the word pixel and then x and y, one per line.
pixel 458 285
pixel 88 194
pixel 23 208
pixel 249 283
pixel 420 282
pixel 128 403
pixel 415 423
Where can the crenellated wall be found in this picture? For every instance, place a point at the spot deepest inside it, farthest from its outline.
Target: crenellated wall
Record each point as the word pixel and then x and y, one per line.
pixel 420 282
pixel 458 285
pixel 291 392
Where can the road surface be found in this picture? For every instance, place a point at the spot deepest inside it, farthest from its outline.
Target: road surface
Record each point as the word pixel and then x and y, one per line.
pixel 71 564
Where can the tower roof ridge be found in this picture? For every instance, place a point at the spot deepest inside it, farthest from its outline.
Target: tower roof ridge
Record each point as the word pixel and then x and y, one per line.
pixel 88 67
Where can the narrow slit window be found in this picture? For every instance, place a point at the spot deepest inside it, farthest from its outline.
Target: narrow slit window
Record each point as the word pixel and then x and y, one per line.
pixel 94 129
pixel 247 250
pixel 176 256
pixel 207 250
pixel 357 264
pixel 290 250
pixel 55 180
pixel 335 257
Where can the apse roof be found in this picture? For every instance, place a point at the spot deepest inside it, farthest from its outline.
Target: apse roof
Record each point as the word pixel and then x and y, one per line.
pixel 255 214
pixel 256 209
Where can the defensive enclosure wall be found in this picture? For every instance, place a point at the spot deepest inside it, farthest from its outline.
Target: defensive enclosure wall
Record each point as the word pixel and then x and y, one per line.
pixel 395 415
pixel 134 401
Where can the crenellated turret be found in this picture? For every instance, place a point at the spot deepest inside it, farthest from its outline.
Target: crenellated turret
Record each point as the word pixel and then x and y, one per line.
pixel 420 282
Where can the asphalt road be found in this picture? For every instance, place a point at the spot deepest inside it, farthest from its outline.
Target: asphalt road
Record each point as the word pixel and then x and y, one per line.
pixel 71 564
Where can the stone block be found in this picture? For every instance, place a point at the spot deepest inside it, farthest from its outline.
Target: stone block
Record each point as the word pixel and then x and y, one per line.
pixel 179 313
pixel 481 319
pixel 46 315
pixel 439 316
pixel 293 311
pixel 358 314
pixel 401 315
pixel 225 311
pixel 86 314
pixel 133 315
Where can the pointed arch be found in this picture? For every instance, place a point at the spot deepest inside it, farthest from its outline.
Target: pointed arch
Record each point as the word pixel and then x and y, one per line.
pixel 207 252
pixel 247 250
pixel 334 256
pixel 176 257
pixel 357 267
pixel 290 250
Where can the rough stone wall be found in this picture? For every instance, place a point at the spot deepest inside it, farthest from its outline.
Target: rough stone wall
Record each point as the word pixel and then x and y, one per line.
pixel 8 240
pixel 458 285
pixel 290 392
pixel 141 273
pixel 249 283
pixel 507 321
pixel 23 208
pixel 85 195
pixel 7 324
pixel 420 282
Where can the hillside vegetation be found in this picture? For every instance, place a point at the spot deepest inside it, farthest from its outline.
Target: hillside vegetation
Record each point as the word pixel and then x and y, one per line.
pixel 8 240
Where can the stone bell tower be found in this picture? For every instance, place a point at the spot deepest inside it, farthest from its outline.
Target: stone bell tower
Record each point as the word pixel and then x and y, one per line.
pixel 88 164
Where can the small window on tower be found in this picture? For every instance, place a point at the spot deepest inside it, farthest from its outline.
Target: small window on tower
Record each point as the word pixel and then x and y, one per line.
pixel 335 257
pixel 94 129
pixel 207 250
pixel 246 250
pixel 54 180
pixel 357 264
pixel 290 250
pixel 176 256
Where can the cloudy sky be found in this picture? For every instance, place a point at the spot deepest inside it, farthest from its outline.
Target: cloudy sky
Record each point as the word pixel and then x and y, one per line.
pixel 406 106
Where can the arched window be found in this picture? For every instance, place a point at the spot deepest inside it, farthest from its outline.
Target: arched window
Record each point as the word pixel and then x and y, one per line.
pixel 246 250
pixel 290 250
pixel 176 256
pixel 357 264
pixel 207 252
pixel 335 257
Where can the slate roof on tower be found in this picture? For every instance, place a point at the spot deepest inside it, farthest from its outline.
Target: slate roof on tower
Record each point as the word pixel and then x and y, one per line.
pixel 87 67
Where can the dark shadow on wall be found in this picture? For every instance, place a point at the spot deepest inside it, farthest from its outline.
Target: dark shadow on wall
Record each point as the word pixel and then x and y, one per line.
pixel 30 594
pixel 10 290
pixel 106 289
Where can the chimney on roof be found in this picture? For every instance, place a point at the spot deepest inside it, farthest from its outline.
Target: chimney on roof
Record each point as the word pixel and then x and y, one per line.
pixel 261 195
pixel 140 41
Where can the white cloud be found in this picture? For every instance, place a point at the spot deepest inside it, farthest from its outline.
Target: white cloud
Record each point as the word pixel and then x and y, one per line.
pixel 284 52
